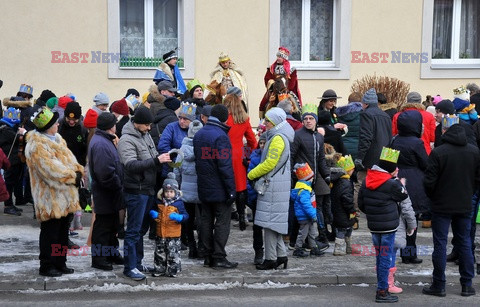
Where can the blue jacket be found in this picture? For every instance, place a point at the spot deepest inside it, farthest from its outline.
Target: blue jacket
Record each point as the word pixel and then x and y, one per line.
pixel 255 158
pixel 187 173
pixel 213 162
pixel 107 173
pixel 302 201
pixel 350 115
pixel 172 137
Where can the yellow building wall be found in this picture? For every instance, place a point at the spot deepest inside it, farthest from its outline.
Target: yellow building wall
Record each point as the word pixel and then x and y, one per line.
pixel 31 30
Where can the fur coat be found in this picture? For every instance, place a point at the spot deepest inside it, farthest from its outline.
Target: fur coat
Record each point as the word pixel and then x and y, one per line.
pixel 52 168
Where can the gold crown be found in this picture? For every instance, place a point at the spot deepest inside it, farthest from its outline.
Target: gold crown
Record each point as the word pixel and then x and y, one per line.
pixel 223 57
pixel 389 154
pixel 346 163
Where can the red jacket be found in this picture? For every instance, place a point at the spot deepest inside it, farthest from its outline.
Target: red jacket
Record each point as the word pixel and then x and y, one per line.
pixel 428 122
pixel 5 164
pixel 236 134
pixel 296 125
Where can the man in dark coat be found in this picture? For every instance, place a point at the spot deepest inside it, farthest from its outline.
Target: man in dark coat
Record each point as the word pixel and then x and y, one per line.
pixel 452 167
pixel 216 186
pixel 107 189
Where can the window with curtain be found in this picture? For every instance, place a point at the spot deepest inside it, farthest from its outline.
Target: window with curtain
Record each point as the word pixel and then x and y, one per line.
pixel 148 29
pixel 307 30
pixel 455 37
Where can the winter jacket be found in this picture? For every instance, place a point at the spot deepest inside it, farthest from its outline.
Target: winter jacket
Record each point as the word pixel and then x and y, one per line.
pixel 413 158
pixel 341 197
pixel 8 135
pixel 162 119
pixel 171 138
pixel 52 168
pixel 155 99
pixel 389 108
pixel 187 173
pixel 470 133
pixel 139 159
pixel 76 139
pixel 236 134
pixel 307 147
pixel 350 115
pixel 378 198
pixel 213 163
pixel 375 132
pixel 106 172
pixel 428 121
pixel 272 206
pixel 4 164
pixel 407 222
pixel 304 201
pixel 167 228
pixel 453 173
pixel 254 161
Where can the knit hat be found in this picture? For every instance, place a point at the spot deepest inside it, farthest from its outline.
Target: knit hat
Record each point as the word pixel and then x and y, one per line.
pixel 388 159
pixel 235 91
pixel 285 105
pixel 309 109
pixel 324 118
pixel 414 97
pixel 445 106
pixel 132 91
pixel 220 112
pixel 283 53
pixel 26 89
pixel 436 100
pixel 370 97
pixel 170 183
pixel 329 94
pixel 90 120
pixel 303 171
pixel 145 96
pixel 449 120
pixel 187 110
pixel 52 102
pixel 45 95
pixel 43 119
pixel 346 163
pixel 166 85
pixel 143 116
pixel 62 101
pixel 262 137
pixel 206 110
pixel 172 103
pixel 169 55
pixel 461 93
pixel 276 116
pixel 120 107
pixel 100 99
pixel 11 116
pixel 193 128
pixel 106 120
pixel 73 110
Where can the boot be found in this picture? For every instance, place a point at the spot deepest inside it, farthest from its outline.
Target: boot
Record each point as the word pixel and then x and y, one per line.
pixel 340 247
pixel 391 282
pixel 478 269
pixel 77 221
pixel 192 251
pixel 452 256
pixel 267 265
pixel 240 203
pixel 348 243
pixel 300 252
pixel 258 256
pixel 322 235
pixel 383 296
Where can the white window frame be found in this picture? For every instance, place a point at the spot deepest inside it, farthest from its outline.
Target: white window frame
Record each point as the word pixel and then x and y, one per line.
pixel 445 68
pixel 339 66
pixel 186 40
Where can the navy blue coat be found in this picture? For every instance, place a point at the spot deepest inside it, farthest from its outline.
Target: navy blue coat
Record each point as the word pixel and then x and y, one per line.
pixel 106 172
pixel 213 162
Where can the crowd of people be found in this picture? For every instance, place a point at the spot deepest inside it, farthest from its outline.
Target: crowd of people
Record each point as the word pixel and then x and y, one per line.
pixel 181 163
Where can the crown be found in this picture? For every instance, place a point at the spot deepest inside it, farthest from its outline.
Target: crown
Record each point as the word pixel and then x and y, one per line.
pixel 303 171
pixel 283 53
pixel 449 120
pixel 223 57
pixel 282 96
pixel 460 90
pixel 346 163
pixel 41 118
pixel 27 89
pixel 309 108
pixel 188 109
pixel 132 100
pixel 389 154
pixel 12 115
pixel 191 84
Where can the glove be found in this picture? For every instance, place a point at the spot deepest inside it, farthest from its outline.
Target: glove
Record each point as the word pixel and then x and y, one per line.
pixel 327 180
pixel 153 214
pixel 78 179
pixel 359 165
pixel 410 232
pixel 176 217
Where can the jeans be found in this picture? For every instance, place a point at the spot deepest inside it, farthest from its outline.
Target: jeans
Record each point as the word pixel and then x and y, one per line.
pixel 461 225
pixel 138 206
pixel 383 243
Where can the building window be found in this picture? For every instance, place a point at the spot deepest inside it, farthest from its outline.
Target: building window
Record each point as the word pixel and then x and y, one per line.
pixel 306 29
pixel 317 33
pixel 455 36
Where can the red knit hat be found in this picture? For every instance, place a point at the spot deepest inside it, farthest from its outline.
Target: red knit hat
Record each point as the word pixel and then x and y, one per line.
pixel 63 101
pixel 90 120
pixel 120 107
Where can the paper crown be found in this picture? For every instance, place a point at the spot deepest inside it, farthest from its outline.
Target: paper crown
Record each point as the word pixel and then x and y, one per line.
pixel 282 96
pixel 132 101
pixel 27 89
pixel 283 53
pixel 188 110
pixel 192 83
pixel 462 93
pixel 346 163
pixel 389 154
pixel 223 57
pixel 41 118
pixel 303 171
pixel 11 115
pixel 309 108
pixel 449 120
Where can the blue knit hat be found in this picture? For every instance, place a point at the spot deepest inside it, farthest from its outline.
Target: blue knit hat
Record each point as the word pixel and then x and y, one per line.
pixel 370 97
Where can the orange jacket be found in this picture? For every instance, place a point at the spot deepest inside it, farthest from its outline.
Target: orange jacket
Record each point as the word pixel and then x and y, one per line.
pixel 167 228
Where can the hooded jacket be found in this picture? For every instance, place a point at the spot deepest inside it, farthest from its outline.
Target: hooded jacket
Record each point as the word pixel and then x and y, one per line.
pixel 453 173
pixel 342 200
pixel 350 116
pixel 302 195
pixel 164 117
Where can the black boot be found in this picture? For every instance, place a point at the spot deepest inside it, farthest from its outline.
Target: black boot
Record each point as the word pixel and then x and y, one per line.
pixel 258 256
pixel 192 251
pixel 467 291
pixel 478 269
pixel 383 296
pixel 452 256
pixel 267 265
pixel 241 202
pixel 322 235
pixel 282 260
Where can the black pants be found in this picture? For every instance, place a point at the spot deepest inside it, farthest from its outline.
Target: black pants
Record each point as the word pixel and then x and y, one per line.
pixel 215 228
pixel 410 250
pixel 257 230
pixel 14 183
pixel 54 243
pixel 104 237
pixel 189 226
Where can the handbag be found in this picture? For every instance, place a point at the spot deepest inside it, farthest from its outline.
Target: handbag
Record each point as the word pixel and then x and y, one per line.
pixel 263 182
pixel 84 196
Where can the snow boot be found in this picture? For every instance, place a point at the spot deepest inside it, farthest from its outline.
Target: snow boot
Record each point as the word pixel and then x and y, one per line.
pixel 340 247
pixel 348 242
pixel 391 282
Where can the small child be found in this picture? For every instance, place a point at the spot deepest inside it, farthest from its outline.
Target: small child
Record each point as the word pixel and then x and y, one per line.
pixel 342 205
pixel 304 201
pixel 171 212
pixel 378 198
